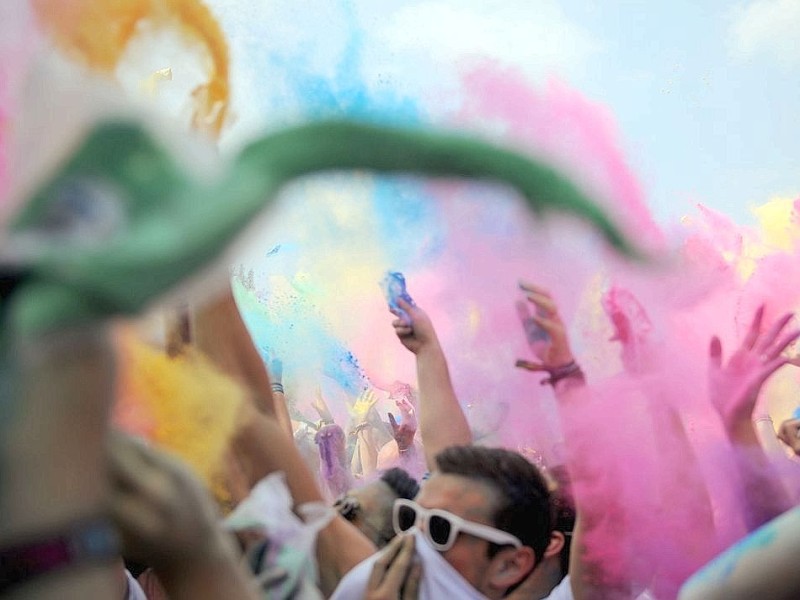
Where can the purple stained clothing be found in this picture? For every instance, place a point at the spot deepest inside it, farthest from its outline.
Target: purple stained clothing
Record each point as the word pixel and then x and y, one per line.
pixel 333 466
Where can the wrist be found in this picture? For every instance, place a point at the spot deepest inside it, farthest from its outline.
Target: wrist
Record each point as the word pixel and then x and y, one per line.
pixel 403 446
pixel 742 431
pixel 570 370
pixel 89 541
pixel 429 349
pixel 560 362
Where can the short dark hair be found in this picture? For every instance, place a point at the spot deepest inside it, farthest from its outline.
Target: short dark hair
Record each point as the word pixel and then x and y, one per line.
pixel 564 505
pixel 524 508
pixel 402 484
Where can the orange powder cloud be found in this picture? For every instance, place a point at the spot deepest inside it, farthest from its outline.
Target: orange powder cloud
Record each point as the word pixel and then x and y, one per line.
pixel 97 32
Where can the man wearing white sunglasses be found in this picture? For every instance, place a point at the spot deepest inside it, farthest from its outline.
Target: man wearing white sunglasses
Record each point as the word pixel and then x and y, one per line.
pixel 481 523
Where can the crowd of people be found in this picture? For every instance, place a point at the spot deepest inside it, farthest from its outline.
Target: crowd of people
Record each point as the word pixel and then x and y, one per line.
pixel 253 497
pixel 407 507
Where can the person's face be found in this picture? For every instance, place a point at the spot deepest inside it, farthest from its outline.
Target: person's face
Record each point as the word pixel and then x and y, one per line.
pixel 374 517
pixel 470 500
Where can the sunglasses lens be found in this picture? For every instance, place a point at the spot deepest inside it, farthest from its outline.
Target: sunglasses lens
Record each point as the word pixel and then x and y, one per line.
pixel 406 518
pixel 439 529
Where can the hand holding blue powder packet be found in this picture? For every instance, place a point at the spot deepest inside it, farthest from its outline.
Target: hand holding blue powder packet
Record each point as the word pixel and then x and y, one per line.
pixel 394 287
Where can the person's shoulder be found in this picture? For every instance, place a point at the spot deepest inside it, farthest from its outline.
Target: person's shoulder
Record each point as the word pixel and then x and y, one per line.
pixel 353 586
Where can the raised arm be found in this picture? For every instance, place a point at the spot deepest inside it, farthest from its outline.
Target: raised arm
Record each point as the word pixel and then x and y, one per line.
pixel 365 454
pixel 261 446
pixel 442 422
pixel 54 405
pixel 587 576
pixel 554 355
pixel 219 332
pixel 734 389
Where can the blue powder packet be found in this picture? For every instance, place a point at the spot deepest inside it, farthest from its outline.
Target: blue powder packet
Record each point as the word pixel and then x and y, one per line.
pixel 394 287
pixel 538 338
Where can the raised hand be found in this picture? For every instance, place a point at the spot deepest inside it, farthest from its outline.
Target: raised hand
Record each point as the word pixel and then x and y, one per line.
pixel 557 352
pixel 417 333
pixel 405 430
pixel 734 387
pixel 319 405
pixel 363 406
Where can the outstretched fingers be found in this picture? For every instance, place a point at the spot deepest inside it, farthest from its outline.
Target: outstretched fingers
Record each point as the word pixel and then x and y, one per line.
pixel 715 353
pixel 550 325
pixel 779 347
pixel 768 339
pixel 770 367
pixel 755 329
pixel 527 286
pixel 545 305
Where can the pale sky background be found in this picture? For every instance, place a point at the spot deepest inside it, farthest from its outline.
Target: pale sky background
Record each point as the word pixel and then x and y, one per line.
pixel 705 94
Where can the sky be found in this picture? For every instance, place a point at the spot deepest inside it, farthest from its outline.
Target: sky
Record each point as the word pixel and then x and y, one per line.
pixel 702 94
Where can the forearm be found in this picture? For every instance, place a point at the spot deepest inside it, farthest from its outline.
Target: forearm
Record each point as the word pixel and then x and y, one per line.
pixel 764 494
pixel 54 444
pixel 282 412
pixel 53 451
pixel 442 422
pixel 264 448
pixel 678 462
pixel 219 332
pixel 340 547
pixel 367 451
pixel 765 430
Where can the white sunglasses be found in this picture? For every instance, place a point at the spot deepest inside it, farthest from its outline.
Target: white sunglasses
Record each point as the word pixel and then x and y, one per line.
pixel 442 527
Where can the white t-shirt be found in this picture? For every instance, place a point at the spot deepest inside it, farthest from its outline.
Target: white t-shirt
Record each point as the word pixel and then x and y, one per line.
pixel 439 579
pixel 135 591
pixel 563 591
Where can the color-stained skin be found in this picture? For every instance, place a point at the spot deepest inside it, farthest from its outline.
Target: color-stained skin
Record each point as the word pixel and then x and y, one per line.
pixel 98 31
